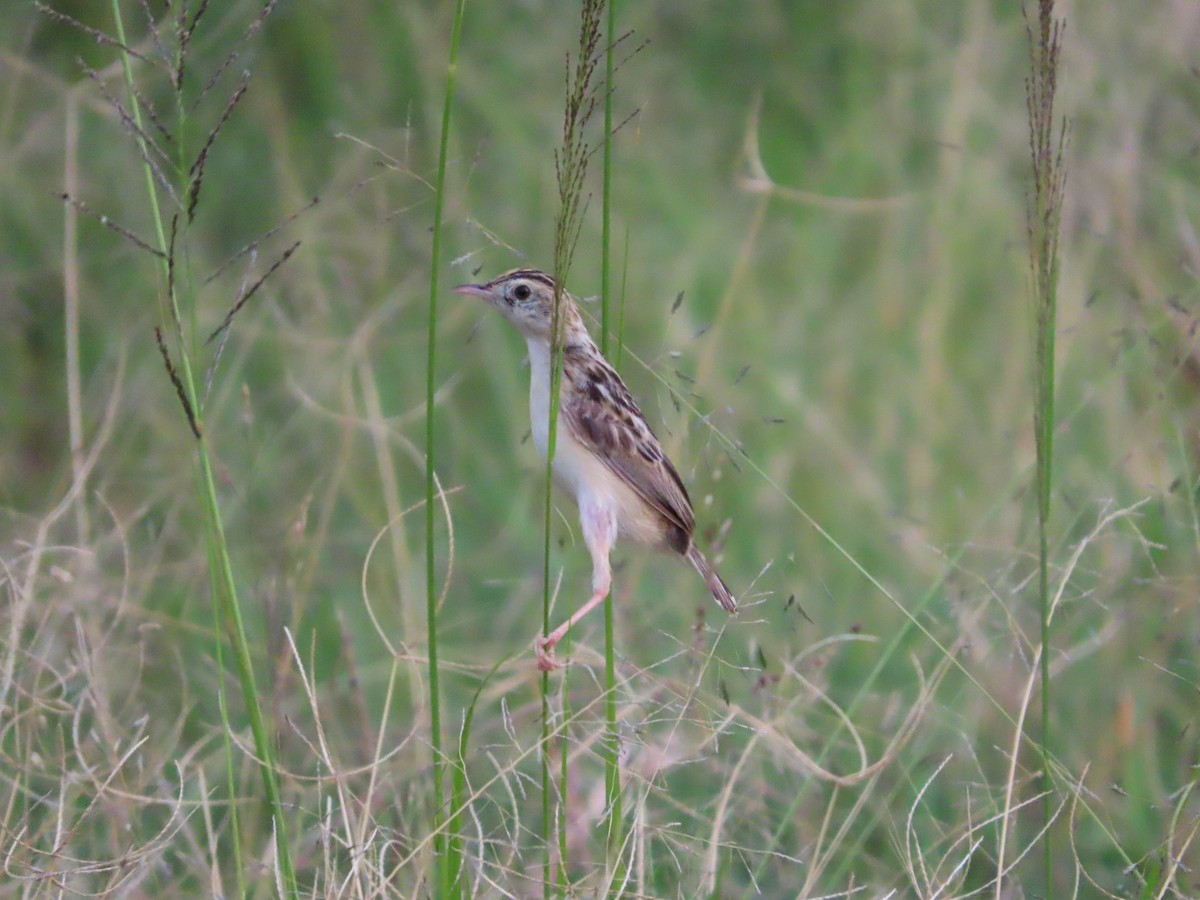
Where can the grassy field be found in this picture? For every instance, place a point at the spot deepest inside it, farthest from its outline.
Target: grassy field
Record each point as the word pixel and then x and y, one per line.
pixel 819 226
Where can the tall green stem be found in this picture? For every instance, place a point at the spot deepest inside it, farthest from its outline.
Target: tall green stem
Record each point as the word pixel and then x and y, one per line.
pixel 448 876
pixel 1047 141
pixel 571 161
pixel 611 744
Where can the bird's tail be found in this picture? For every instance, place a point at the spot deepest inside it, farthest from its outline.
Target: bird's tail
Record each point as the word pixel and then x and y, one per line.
pixel 720 590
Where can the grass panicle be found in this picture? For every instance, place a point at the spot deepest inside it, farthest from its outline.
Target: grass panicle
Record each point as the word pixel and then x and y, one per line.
pixel 1047 145
pixel 180 304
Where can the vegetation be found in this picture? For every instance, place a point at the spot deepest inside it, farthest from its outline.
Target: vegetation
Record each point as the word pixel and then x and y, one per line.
pixel 823 303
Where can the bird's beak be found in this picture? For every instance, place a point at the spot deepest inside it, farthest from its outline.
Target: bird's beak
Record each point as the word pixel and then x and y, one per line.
pixel 472 290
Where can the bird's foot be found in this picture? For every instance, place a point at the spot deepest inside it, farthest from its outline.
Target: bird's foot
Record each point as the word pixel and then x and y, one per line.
pixel 543 650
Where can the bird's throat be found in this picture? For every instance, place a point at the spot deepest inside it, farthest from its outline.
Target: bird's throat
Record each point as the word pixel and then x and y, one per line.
pixel 539 392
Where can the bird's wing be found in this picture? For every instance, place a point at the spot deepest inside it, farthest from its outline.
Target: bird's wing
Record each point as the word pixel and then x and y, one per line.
pixel 602 415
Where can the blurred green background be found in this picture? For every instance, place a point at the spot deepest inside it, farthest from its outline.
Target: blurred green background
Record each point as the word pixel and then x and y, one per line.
pixel 838 191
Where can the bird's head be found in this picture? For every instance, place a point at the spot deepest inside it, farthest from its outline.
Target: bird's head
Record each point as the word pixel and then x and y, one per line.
pixel 526 298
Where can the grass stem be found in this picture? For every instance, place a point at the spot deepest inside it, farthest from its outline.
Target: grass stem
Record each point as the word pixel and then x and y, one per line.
pixel 224 587
pixel 570 164
pixel 1046 142
pixel 448 877
pixel 611 744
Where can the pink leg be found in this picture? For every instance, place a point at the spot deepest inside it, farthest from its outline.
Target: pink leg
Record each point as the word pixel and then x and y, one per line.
pixel 599 533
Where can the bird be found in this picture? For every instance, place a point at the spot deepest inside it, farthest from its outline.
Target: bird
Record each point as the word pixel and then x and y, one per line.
pixel 607 458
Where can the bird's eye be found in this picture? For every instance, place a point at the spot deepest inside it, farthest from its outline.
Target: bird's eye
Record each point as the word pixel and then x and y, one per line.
pixel 522 292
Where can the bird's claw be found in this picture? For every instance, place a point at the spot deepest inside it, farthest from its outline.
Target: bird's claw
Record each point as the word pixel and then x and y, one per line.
pixel 543 650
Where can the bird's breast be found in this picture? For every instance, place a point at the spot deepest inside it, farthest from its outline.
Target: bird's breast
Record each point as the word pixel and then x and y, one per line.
pixel 575 467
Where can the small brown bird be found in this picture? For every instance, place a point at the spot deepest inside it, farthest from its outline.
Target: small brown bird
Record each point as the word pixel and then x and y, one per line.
pixel 606 457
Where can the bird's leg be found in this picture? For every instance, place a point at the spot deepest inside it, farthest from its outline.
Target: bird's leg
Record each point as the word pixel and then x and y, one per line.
pixel 599 533
pixel 545 646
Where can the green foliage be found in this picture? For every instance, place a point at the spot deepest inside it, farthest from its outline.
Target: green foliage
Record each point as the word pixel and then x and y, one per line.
pixel 838 191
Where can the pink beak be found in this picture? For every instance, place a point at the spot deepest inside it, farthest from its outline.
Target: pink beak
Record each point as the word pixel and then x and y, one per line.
pixel 471 290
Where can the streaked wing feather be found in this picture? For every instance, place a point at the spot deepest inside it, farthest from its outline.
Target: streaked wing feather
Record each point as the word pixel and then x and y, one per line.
pixel 603 416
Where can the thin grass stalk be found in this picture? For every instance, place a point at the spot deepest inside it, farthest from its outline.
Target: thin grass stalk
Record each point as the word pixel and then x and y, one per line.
pixel 224 586
pixel 548 514
pixel 214 564
pixel 1045 455
pixel 606 195
pixel 1046 145
pixel 564 766
pixel 447 875
pixel 70 266
pixel 561 256
pixel 544 681
pixel 226 732
pixel 570 165
pixel 544 689
pixel 611 743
